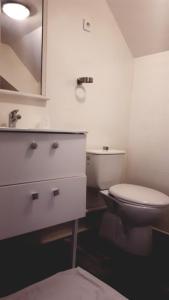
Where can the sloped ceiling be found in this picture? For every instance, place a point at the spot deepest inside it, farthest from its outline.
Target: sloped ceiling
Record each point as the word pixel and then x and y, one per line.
pixel 143 23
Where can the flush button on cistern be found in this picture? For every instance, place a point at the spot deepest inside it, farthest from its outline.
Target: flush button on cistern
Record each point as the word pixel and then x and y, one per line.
pixel 106 148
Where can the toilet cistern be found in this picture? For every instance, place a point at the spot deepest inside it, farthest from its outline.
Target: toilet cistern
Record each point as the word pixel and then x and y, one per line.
pixel 99 170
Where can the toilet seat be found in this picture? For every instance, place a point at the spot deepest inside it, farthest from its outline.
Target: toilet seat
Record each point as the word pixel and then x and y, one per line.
pixel 139 195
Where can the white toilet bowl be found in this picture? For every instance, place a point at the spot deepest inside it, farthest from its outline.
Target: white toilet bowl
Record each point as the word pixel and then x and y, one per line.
pixel 133 210
pixel 137 205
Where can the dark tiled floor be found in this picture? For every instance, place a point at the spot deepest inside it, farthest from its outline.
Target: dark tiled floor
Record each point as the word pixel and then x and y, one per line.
pixel 137 278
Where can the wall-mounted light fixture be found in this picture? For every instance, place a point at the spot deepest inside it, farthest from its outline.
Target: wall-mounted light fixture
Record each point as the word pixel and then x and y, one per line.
pixel 16 10
pixel 84 80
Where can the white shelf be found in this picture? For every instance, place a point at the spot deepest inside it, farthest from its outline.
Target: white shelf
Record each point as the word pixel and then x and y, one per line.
pixel 13 95
pixel 60 231
pixel 34 130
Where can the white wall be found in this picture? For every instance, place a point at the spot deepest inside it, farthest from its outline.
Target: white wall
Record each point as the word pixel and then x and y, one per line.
pixel 102 54
pixel 149 123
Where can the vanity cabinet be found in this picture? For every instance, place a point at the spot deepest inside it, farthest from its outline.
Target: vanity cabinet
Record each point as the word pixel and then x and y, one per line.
pixel 42 180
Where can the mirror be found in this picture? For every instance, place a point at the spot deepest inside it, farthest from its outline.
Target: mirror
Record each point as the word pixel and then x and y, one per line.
pixel 21 49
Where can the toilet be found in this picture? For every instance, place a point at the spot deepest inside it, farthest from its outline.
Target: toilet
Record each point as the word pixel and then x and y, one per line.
pixel 132 209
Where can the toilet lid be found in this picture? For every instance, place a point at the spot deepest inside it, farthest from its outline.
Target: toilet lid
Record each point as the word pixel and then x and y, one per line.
pixel 139 195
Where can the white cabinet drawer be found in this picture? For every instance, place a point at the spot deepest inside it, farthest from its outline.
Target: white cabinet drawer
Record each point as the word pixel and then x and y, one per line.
pixel 19 213
pixel 20 163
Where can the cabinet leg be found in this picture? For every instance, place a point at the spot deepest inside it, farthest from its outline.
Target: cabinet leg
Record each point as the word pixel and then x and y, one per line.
pixel 74 242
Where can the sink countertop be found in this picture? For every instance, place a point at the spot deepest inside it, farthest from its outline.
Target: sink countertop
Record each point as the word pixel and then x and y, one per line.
pixel 28 130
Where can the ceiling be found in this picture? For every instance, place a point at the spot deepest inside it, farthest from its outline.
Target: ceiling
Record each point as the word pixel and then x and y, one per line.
pixel 143 23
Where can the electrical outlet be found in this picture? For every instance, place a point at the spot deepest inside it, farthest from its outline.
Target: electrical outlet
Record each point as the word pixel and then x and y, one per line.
pixel 86 25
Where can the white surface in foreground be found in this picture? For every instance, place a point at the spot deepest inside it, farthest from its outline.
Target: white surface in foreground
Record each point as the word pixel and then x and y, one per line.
pixel 74 284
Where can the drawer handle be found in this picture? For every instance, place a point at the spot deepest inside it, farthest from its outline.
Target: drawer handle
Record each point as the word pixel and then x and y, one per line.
pixel 35 196
pixel 34 145
pixel 56 192
pixel 55 145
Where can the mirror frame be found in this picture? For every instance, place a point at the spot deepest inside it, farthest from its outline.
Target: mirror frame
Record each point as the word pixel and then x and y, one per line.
pixel 8 94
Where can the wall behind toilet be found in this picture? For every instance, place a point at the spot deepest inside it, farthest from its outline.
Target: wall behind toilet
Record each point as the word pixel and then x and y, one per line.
pixel 73 52
pixel 149 125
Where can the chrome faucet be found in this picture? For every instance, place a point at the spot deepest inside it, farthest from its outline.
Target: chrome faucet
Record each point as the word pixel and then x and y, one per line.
pixel 14 117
